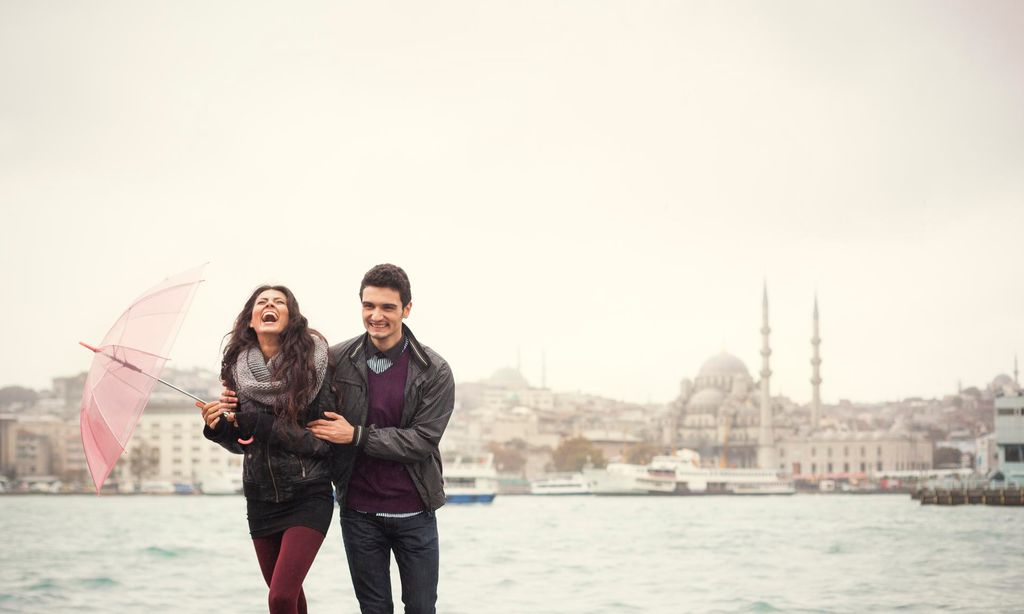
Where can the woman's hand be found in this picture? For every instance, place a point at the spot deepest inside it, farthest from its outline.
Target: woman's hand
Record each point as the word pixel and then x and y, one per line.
pixel 226 406
pixel 212 412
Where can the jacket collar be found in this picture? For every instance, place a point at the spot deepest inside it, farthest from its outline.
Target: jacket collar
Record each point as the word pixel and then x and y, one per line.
pixel 417 351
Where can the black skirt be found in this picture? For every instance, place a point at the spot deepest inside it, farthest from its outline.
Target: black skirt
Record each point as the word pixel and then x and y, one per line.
pixel 312 508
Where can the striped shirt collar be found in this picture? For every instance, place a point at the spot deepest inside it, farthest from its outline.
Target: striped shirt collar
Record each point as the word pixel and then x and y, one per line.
pixel 379 361
pixel 392 355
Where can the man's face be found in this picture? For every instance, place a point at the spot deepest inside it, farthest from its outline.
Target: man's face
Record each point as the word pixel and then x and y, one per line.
pixel 382 316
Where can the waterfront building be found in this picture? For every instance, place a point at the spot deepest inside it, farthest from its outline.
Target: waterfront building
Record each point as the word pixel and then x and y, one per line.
pixel 986 457
pixel 33 456
pixel 614 445
pixel 837 454
pixel 182 454
pixel 1009 436
pixel 8 443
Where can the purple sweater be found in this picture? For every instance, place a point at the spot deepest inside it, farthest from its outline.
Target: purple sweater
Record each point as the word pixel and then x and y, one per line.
pixel 379 485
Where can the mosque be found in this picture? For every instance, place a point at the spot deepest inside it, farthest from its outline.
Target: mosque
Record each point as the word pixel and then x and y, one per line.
pixel 727 415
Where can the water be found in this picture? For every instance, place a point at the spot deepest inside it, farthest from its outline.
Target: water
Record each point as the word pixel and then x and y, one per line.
pixel 538 555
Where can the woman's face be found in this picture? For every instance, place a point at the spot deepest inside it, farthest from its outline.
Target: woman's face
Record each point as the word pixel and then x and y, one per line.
pixel 270 313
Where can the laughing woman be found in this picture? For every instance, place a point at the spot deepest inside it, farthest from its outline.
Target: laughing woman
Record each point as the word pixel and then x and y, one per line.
pixel 278 366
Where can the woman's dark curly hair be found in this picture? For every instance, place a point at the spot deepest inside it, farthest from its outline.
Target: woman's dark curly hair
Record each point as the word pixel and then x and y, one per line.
pixel 295 366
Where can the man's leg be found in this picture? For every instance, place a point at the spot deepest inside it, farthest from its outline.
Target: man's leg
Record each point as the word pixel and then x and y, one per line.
pixel 369 561
pixel 415 542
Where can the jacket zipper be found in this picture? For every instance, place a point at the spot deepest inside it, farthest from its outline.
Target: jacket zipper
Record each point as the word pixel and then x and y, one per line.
pixel 303 465
pixel 277 497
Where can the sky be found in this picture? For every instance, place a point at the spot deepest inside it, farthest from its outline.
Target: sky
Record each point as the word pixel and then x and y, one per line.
pixel 604 184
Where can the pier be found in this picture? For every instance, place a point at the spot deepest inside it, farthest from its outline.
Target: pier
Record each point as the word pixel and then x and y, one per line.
pixel 969 496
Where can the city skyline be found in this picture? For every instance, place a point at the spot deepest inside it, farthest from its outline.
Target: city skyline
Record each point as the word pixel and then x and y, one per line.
pixel 609 184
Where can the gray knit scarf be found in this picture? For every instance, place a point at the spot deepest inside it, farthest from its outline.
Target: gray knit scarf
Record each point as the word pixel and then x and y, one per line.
pixel 253 373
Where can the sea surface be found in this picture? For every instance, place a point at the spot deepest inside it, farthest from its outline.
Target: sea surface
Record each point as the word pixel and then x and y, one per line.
pixel 534 555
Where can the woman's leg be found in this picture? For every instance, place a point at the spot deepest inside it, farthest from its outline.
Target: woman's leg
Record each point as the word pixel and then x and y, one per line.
pixel 267 549
pixel 299 546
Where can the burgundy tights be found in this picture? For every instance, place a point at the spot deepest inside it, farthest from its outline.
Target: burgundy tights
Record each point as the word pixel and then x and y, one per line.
pixel 285 559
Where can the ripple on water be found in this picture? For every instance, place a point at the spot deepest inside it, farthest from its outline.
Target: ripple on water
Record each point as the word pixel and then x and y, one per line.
pixel 166 553
pixel 43 585
pixel 99 582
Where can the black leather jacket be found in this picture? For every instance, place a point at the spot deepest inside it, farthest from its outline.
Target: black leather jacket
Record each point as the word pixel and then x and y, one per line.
pixel 284 459
pixel 429 401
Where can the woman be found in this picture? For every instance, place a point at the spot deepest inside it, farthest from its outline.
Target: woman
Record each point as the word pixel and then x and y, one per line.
pixel 278 366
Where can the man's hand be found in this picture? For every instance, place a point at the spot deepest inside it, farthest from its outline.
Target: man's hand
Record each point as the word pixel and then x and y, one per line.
pixel 229 398
pixel 334 429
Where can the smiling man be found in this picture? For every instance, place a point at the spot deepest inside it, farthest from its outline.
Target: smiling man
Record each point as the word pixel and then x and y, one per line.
pixel 395 399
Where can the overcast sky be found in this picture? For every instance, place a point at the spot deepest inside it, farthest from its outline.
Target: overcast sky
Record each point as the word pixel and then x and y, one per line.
pixel 606 182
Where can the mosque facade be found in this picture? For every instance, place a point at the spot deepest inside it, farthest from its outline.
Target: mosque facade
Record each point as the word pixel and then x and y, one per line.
pixel 725 414
pixel 718 413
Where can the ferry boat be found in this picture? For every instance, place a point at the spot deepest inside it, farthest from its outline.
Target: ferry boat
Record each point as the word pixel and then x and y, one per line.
pixel 692 479
pixel 470 479
pixel 221 484
pixel 157 487
pixel 626 479
pixel 561 484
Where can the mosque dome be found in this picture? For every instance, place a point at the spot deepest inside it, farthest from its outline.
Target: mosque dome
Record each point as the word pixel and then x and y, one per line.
pixel 1002 381
pixel 724 364
pixel 508 378
pixel 708 398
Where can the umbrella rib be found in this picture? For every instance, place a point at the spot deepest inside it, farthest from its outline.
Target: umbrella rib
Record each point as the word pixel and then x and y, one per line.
pixel 152 314
pixel 105 423
pixel 119 346
pixel 114 373
pixel 148 296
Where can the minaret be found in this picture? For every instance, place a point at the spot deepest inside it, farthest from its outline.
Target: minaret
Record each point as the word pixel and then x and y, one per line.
pixel 765 440
pixel 543 369
pixel 1015 380
pixel 816 374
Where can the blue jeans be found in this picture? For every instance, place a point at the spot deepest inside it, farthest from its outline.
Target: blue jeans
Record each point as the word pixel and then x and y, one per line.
pixel 369 541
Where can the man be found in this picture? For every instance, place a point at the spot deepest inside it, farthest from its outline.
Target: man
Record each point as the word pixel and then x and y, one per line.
pixel 395 398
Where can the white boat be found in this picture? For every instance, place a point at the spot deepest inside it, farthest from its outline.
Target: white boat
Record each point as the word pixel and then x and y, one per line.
pixel 470 479
pixel 627 479
pixel 221 484
pixel 157 487
pixel 692 479
pixel 561 484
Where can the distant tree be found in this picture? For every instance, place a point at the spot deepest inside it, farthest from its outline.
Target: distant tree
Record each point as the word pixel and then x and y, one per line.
pixel 10 395
pixel 143 461
pixel 574 454
pixel 642 453
pixel 507 458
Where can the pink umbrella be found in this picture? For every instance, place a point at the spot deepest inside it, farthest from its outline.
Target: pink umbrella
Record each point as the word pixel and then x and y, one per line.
pixel 127 365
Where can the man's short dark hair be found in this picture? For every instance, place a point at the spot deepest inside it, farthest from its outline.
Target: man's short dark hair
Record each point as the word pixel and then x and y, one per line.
pixel 388 276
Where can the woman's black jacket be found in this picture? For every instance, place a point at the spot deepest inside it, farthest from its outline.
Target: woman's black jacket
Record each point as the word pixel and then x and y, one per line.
pixel 284 459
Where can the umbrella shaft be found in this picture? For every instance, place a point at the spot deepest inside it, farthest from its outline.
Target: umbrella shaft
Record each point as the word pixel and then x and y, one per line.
pixel 178 389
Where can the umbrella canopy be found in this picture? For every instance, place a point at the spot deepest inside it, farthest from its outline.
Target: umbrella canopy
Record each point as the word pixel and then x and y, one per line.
pixel 125 368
